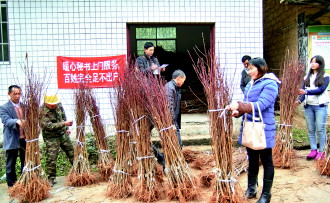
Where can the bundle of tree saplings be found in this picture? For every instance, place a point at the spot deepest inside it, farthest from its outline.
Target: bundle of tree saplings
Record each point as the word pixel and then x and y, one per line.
pixel 120 184
pixel 32 185
pixel 149 187
pixel 80 173
pixel 284 155
pixel 218 91
pixel 105 161
pixel 323 165
pixel 181 184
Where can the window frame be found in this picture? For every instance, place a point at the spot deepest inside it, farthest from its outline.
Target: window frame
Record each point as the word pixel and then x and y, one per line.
pixel 4 60
pixel 139 48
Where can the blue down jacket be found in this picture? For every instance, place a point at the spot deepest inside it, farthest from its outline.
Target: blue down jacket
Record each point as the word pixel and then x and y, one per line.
pixel 263 91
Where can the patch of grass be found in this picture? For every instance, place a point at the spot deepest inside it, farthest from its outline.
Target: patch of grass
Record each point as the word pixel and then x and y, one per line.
pixel 63 164
pixel 300 135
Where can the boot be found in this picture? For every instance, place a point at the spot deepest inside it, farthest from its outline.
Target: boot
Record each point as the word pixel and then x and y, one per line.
pixel 265 195
pixel 251 191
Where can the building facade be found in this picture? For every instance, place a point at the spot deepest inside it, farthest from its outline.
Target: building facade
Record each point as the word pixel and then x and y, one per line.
pixel 286 25
pixel 46 29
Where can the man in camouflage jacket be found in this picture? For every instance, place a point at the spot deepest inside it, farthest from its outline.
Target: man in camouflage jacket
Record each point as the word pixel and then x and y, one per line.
pixel 55 132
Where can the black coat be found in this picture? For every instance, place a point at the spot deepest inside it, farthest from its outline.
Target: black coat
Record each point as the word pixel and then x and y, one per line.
pixel 245 79
pixel 144 63
pixel 174 97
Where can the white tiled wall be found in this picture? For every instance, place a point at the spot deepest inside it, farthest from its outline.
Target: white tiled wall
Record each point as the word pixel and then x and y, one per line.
pixel 46 29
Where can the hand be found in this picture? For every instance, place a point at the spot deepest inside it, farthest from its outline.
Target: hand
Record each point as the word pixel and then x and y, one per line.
pixel 19 122
pixel 234 113
pixel 154 67
pixel 232 107
pixel 68 123
pixel 23 123
pixel 162 69
pixel 174 128
pixel 296 104
pixel 68 131
pixel 301 91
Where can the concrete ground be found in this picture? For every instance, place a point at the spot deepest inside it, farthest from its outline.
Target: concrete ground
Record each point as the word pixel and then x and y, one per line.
pixel 195 135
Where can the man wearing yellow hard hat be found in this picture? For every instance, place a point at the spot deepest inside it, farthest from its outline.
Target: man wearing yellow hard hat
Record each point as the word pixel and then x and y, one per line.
pixel 55 132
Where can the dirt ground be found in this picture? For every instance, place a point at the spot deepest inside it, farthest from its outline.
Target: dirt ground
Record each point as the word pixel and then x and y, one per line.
pixel 303 184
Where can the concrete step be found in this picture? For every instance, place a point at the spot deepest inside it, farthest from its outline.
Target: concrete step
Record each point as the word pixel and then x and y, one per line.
pixel 195 131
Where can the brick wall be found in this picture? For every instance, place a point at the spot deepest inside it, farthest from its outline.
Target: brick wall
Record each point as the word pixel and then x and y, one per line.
pixel 280 29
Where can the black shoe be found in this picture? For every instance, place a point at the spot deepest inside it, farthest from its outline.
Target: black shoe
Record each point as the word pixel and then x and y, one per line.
pixel 264 198
pixel 251 191
pixel 266 195
pixel 52 182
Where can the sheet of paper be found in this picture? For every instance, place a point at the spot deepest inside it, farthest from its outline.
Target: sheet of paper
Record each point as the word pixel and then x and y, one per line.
pixel 157 71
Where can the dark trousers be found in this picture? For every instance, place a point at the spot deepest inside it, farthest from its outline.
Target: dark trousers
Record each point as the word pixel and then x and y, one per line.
pixel 266 160
pixel 178 134
pixel 22 152
pixel 11 158
pixel 160 156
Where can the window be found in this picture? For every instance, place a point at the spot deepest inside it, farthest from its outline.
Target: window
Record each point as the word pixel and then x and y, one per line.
pixel 164 37
pixel 4 46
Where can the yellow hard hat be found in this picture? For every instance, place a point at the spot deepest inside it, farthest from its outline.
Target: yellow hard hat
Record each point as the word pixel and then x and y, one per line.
pixel 51 99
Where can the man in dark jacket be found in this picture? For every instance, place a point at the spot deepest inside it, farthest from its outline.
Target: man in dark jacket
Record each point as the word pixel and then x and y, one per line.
pixel 147 63
pixel 55 132
pixel 13 137
pixel 174 97
pixel 245 79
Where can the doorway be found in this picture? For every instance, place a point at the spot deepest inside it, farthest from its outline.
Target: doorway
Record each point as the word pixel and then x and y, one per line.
pixel 173 43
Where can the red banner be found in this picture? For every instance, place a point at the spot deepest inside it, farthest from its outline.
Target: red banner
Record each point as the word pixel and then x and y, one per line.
pixel 94 71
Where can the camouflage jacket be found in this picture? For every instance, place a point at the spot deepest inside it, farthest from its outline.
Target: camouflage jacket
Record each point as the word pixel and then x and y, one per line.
pixel 52 121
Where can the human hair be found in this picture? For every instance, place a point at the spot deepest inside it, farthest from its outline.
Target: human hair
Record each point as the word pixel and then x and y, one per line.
pixel 11 87
pixel 319 81
pixel 147 45
pixel 261 65
pixel 246 57
pixel 178 73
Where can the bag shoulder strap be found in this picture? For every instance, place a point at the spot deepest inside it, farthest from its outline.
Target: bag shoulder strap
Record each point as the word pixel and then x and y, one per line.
pixel 260 115
pixel 253 113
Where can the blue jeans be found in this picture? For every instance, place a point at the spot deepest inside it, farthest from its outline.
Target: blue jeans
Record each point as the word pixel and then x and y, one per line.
pixel 316 118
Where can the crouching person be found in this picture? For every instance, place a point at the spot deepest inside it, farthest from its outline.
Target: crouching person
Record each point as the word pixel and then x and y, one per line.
pixel 55 132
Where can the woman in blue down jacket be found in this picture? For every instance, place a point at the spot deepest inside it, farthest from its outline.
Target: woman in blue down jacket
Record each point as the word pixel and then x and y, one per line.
pixel 262 90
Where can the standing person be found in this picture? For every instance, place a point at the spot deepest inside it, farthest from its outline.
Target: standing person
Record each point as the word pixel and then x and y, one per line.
pixel 174 97
pixel 147 63
pixel 316 106
pixel 245 79
pixel 13 140
pixel 262 91
pixel 55 133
